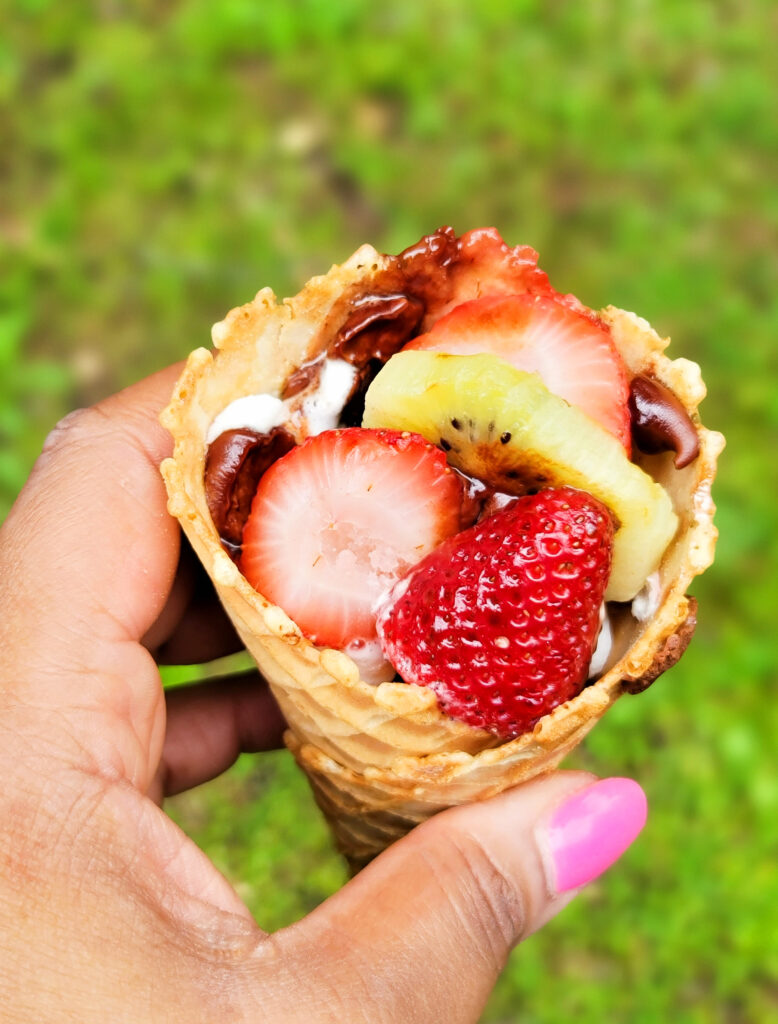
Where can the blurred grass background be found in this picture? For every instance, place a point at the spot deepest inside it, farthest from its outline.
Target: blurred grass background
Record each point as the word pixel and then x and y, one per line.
pixel 160 163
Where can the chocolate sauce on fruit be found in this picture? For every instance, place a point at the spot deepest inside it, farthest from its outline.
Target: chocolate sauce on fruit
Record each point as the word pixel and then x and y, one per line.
pixel 480 498
pixel 235 463
pixel 660 423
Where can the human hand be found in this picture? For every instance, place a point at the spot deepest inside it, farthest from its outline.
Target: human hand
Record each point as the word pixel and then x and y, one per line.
pixel 108 912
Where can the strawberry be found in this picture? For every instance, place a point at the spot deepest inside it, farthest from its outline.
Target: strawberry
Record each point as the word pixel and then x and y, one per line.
pixel 501 620
pixel 571 349
pixel 486 265
pixel 340 518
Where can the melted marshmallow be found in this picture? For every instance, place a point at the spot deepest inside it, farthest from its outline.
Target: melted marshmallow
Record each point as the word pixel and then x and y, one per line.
pixel 252 412
pixel 604 644
pixel 645 604
pixel 369 659
pixel 322 408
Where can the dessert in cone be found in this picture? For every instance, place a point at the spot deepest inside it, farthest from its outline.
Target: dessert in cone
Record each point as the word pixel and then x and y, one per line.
pixel 382 758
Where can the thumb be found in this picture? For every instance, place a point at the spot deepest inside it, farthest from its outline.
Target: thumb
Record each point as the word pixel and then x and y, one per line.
pixel 423 932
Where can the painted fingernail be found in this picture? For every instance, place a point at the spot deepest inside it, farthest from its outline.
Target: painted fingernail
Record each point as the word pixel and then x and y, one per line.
pixel 593 828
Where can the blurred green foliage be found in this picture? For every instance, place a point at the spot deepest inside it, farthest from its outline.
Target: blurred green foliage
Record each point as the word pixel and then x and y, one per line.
pixel 161 162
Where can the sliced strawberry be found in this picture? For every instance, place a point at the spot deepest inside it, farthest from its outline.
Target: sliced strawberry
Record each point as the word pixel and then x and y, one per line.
pixel 340 518
pixel 572 351
pixel 482 264
pixel 501 620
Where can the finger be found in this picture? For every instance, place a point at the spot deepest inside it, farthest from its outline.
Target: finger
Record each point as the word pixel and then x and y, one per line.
pixel 179 598
pixel 193 627
pixel 204 634
pixel 209 725
pixel 434 918
pixel 87 559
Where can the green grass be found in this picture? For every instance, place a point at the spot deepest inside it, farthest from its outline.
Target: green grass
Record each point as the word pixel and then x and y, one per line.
pixel 159 167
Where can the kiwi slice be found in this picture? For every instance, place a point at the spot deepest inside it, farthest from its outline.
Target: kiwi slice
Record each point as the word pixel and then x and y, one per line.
pixel 504 427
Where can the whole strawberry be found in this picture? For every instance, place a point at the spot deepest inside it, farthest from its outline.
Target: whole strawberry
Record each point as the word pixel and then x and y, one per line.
pixel 501 620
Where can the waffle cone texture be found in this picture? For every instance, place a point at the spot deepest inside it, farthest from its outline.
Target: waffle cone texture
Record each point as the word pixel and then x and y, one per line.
pixel 381 759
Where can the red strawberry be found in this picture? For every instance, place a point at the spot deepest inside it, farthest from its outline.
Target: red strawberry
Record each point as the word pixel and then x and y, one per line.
pixel 486 265
pixel 502 619
pixel 340 518
pixel 572 350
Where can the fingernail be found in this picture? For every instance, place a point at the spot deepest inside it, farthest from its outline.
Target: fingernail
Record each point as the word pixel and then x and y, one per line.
pixel 593 828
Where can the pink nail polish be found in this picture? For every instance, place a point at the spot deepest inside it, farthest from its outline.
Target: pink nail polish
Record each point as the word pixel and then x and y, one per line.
pixel 593 828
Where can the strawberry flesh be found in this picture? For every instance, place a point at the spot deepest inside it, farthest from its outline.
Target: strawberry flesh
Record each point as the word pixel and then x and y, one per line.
pixel 570 348
pixel 340 518
pixel 501 620
pixel 483 264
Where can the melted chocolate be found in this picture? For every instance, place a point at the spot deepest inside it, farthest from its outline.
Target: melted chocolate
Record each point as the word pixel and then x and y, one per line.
pixel 302 377
pixel 660 423
pixel 424 266
pixel 235 463
pixel 378 327
pixel 380 323
pixel 480 498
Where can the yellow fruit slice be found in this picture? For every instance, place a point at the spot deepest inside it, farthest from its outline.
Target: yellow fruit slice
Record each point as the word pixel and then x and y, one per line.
pixel 503 426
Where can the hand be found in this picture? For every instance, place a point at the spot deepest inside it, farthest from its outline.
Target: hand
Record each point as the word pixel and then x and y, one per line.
pixel 108 912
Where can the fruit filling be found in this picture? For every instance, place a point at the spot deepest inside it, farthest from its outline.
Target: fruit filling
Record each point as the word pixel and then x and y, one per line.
pixel 447 492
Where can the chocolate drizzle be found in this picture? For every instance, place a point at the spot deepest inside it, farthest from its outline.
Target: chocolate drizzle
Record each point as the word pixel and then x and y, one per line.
pixel 660 423
pixel 236 462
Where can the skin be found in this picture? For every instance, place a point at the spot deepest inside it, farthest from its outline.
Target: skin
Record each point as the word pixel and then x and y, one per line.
pixel 107 910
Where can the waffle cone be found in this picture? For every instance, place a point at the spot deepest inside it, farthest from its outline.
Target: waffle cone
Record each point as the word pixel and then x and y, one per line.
pixel 381 759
